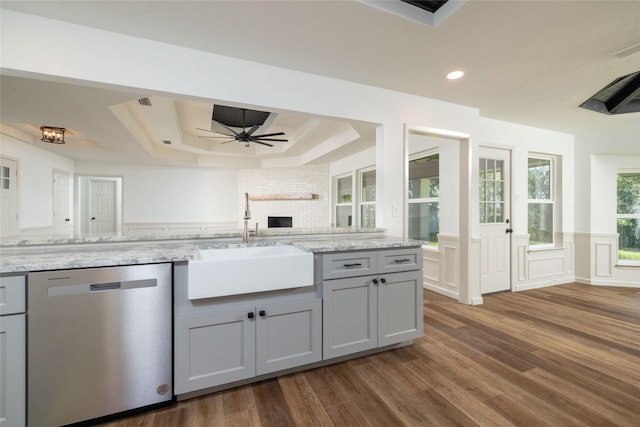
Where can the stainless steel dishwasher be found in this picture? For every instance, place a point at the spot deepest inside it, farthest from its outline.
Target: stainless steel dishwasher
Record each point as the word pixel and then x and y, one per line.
pixel 99 342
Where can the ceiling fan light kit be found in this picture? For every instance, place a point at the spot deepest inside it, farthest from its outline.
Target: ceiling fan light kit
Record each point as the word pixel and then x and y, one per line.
pixel 232 117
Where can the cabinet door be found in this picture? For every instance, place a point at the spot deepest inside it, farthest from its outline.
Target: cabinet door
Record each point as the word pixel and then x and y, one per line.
pixel 214 348
pixel 349 316
pixel 288 335
pixel 399 307
pixel 13 369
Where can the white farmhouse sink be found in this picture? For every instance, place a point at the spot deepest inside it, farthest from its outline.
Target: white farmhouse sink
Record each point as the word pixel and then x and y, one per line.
pixel 232 271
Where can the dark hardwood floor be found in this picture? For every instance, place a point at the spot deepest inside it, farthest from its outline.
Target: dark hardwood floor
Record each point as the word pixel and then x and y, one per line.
pixel 567 355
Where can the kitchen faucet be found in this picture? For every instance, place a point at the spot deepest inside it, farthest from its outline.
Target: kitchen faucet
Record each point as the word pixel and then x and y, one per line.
pixel 247 217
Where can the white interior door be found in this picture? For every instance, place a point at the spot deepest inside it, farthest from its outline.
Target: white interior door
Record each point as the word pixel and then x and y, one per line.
pixel 8 197
pixel 102 206
pixel 61 218
pixel 495 226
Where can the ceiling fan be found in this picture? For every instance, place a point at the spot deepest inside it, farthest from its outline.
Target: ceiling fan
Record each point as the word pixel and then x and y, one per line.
pixel 230 117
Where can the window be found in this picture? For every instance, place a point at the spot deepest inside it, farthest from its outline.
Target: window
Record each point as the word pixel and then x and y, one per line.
pixel 367 178
pixel 628 216
pixel 541 201
pixel 424 198
pixel 343 200
pixel 491 190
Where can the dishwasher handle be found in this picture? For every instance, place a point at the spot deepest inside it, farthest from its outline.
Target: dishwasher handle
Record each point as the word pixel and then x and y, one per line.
pixel 64 290
pixel 101 287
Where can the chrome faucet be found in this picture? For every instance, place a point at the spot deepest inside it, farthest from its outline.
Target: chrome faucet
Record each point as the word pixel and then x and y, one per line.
pixel 247 217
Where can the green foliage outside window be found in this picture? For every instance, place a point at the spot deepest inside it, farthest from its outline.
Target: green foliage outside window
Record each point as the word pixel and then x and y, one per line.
pixel 628 210
pixel 540 210
pixel 424 198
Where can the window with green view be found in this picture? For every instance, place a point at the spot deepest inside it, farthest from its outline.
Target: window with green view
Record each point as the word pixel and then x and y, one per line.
pixel 424 199
pixel 628 216
pixel 540 201
pixel 368 198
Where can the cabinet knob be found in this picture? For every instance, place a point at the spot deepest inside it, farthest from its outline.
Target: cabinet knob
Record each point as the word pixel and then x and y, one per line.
pixel 383 280
pixel 375 281
pixel 263 313
pixel 250 315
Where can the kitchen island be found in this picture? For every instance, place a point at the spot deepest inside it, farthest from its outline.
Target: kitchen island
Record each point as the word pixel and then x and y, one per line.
pixel 365 297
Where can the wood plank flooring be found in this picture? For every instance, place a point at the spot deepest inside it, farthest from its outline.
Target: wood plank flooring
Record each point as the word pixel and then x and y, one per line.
pixel 566 355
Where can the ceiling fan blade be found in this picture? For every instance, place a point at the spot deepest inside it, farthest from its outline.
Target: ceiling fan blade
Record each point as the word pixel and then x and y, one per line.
pixel 269 139
pixel 213 131
pixel 225 136
pixel 263 143
pixel 226 142
pixel 269 134
pixel 227 128
pixel 253 129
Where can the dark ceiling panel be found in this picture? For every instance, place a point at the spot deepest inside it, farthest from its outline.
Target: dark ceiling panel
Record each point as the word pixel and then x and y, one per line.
pixel 428 5
pixel 238 117
pixel 620 96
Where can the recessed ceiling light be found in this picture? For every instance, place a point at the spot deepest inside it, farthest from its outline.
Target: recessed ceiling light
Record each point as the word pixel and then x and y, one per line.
pixel 454 75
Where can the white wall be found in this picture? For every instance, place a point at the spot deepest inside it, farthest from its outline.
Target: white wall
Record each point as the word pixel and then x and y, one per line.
pixel 35 180
pixel 164 194
pixel 189 73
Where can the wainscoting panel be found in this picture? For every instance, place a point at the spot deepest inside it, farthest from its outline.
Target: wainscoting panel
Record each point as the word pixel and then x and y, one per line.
pixel 604 259
pixel 536 268
pixel 440 267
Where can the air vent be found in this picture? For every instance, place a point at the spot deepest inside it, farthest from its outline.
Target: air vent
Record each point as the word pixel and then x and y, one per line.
pixel 144 101
pixel 166 142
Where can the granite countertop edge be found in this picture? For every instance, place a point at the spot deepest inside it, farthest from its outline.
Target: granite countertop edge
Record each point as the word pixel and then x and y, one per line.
pixel 21 259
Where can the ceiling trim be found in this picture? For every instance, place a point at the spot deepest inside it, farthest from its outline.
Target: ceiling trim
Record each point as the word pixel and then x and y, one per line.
pixel 416 14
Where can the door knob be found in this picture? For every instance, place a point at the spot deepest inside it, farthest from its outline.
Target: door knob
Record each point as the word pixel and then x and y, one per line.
pixel 509 230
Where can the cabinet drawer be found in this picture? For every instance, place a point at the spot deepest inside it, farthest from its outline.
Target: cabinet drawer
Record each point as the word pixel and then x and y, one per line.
pixel 349 264
pixel 12 294
pixel 395 260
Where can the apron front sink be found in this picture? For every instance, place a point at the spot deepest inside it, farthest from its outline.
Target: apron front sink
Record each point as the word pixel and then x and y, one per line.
pixel 242 270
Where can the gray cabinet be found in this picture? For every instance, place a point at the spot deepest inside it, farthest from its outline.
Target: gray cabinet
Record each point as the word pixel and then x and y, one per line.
pixel 213 348
pixel 362 312
pixel 13 354
pixel 288 334
pixel 224 346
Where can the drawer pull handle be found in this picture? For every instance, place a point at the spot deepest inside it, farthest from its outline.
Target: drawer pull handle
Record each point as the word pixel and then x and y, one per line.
pixel 262 313
pixel 400 261
pixel 383 280
pixel 375 281
pixel 250 315
pixel 355 264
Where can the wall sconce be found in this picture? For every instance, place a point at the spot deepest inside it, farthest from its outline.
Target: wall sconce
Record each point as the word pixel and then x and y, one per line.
pixel 52 134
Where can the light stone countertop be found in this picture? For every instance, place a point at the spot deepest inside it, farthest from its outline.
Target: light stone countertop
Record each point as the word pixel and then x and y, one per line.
pixel 74 238
pixel 15 259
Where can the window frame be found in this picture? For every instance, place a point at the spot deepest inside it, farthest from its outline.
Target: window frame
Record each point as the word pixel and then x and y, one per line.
pixel 551 201
pixel 335 204
pixel 416 156
pixel 618 216
pixel 360 202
